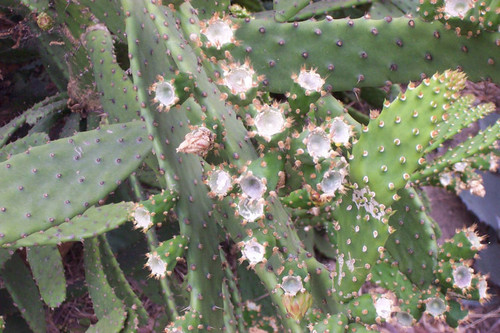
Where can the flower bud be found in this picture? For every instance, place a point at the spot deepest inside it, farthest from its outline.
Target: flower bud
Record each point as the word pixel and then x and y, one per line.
pixel 297 305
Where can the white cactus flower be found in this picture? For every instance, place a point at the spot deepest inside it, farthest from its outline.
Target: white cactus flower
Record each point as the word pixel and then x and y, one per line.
pixel 383 306
pixel 157 266
pixel 309 80
pixel 164 94
pixel 220 182
pixel 219 31
pixel 462 277
pixel 250 210
pixel 142 218
pixel 269 121
pixel 435 306
pixel 253 251
pixel 239 79
pixel 340 132
pixel 332 181
pixel 446 178
pixel 457 8
pixel 318 143
pixel 252 186
pixel 291 285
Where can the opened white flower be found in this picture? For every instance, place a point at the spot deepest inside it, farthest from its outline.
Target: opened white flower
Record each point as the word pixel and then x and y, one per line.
pixel 219 31
pixel 253 251
pixel 142 218
pixel 309 80
pixel 157 266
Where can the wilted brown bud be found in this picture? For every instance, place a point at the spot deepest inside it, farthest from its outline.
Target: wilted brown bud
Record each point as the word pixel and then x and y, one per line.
pixel 198 142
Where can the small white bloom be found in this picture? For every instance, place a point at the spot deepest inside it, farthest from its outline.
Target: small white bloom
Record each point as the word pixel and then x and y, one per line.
pixel 462 277
pixel 164 94
pixel 473 238
pixel 482 287
pixel 269 121
pixel 291 285
pixel 218 33
pixel 157 266
pixel 383 306
pixel 457 8
pixel 332 181
pixel 220 182
pixel 435 306
pixel 365 198
pixel 250 209
pixel 405 319
pixel 340 132
pixel 239 80
pixel 446 178
pixel 318 143
pixel 310 80
pixel 252 186
pixel 460 166
pixel 142 218
pixel 253 251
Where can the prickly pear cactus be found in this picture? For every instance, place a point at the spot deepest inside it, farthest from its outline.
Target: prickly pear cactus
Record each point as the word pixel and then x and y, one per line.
pixel 223 146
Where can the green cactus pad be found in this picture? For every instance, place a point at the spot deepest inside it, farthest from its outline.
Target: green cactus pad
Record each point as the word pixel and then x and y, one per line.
pixel 5 255
pixel 131 323
pixel 117 93
pixel 119 283
pixel 330 324
pixel 166 256
pixel 168 129
pixel 22 289
pixel 358 328
pixel 154 210
pixel 48 271
pixel 400 134
pixel 353 52
pixel 105 302
pixel 207 8
pixel 112 323
pixel 456 313
pixel 45 107
pixel 462 115
pixel 93 222
pixel 413 243
pixel 479 145
pixel 190 321
pixel 59 180
pixel 362 230
pixel 362 309
pixel 285 9
pixel 36 6
pixel 387 275
pixel 465 244
pixel 109 12
pixel 22 145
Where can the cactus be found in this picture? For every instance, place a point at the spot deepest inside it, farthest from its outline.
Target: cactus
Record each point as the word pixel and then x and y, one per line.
pixel 221 134
pixel 22 288
pixel 46 266
pixel 107 306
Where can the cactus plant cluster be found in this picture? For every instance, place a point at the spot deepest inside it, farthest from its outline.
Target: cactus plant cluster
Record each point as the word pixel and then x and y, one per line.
pixel 225 131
